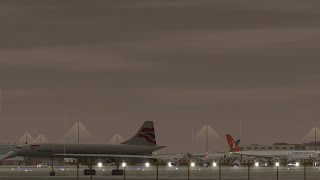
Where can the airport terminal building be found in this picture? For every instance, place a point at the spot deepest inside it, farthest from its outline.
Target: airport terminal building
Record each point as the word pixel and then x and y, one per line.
pixel 281 146
pixel 273 147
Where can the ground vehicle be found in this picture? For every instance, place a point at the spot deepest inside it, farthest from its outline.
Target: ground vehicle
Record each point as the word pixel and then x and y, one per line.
pixel 261 163
pixel 42 165
pixel 110 164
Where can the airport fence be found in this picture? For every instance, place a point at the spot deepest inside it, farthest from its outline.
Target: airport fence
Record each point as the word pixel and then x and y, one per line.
pixel 188 172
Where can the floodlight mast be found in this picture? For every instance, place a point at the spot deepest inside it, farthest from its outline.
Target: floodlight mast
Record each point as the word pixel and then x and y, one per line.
pixel 0 100
pixel 315 142
pixel 207 140
pixel 78 133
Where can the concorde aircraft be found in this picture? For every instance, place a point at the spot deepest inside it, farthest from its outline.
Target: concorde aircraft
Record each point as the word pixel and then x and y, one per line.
pixel 140 146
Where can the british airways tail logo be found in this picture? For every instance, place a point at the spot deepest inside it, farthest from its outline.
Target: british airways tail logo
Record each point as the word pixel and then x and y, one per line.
pixel 148 135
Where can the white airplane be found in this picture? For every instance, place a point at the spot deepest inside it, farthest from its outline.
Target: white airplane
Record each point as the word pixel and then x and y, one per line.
pixel 207 159
pixel 274 155
pixel 171 159
pixel 139 146
pixel 214 157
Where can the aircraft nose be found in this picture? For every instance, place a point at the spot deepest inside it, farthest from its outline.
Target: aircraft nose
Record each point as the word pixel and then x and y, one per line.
pixel 9 155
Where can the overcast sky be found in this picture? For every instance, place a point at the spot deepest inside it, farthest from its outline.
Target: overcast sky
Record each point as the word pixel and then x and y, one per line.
pixel 181 63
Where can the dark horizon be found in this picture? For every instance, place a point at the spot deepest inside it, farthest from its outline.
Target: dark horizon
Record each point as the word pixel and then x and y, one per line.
pixel 180 63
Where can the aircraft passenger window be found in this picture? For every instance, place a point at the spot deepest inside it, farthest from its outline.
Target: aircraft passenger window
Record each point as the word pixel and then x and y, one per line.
pixel 284 148
pixel 269 147
pixel 277 147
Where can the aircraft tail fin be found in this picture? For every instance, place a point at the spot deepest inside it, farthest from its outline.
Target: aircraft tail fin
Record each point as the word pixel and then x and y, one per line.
pixel 233 145
pixel 145 136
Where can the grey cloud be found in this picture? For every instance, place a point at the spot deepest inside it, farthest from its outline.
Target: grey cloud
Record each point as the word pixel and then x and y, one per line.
pixel 113 64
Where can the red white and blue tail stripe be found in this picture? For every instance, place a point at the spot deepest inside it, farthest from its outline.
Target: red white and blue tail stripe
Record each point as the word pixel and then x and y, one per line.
pixel 145 136
pixel 148 135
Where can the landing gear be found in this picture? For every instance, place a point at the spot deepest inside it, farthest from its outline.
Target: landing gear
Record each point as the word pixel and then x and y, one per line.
pixel 117 172
pixel 88 172
pixel 52 173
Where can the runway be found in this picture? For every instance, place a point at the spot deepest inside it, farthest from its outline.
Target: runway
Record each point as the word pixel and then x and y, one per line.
pixel 168 173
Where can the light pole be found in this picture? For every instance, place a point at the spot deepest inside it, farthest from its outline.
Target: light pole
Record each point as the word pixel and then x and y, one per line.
pixel 219 169
pixel 248 171
pixel 277 165
pixel 90 168
pixel 315 143
pixel 157 169
pixel 188 170
pixel 78 168
pixel 0 100
pixel 214 164
pixel 207 142
pixel 124 170
pixel 192 164
pixel 304 169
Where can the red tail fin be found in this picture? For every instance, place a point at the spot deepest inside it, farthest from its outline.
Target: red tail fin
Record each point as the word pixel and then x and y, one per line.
pixel 232 144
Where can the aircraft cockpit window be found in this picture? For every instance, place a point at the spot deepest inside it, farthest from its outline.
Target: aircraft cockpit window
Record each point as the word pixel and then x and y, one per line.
pixel 18 147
